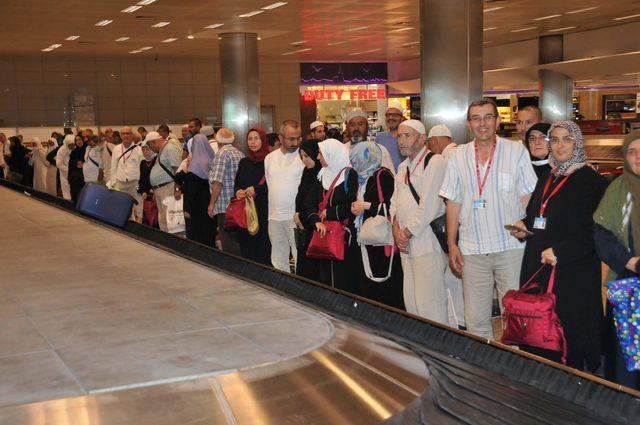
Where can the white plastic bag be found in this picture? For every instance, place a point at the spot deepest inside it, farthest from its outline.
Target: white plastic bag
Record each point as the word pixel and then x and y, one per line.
pixel 175 214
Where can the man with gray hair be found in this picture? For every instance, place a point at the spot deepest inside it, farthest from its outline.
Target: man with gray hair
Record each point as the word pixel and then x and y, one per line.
pixel 125 169
pixel 358 130
pixel 162 173
pixel 222 179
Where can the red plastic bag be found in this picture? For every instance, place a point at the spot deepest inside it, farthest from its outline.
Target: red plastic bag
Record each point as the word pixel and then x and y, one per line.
pixel 150 213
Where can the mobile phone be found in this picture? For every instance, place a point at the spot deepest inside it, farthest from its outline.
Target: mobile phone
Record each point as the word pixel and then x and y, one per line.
pixel 518 229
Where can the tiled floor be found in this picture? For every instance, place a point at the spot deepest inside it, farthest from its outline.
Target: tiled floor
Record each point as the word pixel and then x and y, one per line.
pixel 84 309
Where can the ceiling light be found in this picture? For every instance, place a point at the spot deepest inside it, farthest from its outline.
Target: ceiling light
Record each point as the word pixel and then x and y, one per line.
pixel 133 52
pixel 524 29
pixel 160 24
pixel 297 43
pixel 357 29
pixel 490 28
pixel 131 9
pixel 546 17
pixel 72 37
pixel 212 26
pixel 259 38
pixel 632 73
pixel 146 48
pixel 122 39
pixel 562 29
pixel 104 23
pixel 48 49
pixel 296 51
pixel 145 2
pixel 190 37
pixel 169 40
pixel 55 46
pixel 274 5
pixel 402 29
pixel 627 17
pixel 250 14
pixel 336 43
pixel 491 9
pixel 582 10
pixel 583 81
pixel 410 44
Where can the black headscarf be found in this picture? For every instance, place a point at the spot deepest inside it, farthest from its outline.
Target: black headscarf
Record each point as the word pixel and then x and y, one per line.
pixel 540 166
pixel 309 175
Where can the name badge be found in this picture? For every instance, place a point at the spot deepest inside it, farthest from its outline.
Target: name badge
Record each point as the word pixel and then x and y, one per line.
pixel 479 204
pixel 540 223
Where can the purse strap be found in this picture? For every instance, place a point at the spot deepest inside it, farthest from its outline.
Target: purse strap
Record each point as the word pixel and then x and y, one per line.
pixel 367 265
pixel 327 195
pixel 530 285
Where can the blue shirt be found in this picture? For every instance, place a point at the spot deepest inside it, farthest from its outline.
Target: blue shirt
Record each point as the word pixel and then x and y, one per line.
pixel 391 143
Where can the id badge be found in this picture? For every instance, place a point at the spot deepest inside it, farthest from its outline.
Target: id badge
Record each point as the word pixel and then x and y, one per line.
pixel 540 223
pixel 479 204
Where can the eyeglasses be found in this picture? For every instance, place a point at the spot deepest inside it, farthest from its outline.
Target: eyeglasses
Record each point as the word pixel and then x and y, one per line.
pixel 541 139
pixel 477 119
pixel 568 139
pixel 292 139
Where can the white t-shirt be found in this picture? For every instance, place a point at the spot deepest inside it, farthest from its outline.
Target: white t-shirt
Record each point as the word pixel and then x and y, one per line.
pixel 283 173
pixel 92 163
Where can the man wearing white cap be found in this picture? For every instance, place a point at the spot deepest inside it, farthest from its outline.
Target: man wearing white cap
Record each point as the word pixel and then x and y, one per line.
pixel 440 141
pixel 208 131
pixel 358 129
pixel 414 205
pixel 168 160
pixel 389 139
pixel 62 162
pixel 318 131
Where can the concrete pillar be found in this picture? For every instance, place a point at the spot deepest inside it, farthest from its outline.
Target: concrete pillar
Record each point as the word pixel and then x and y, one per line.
pixel 556 89
pixel 240 84
pixel 451 62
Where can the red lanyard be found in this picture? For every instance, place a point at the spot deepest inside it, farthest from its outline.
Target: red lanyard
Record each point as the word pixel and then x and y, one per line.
pixel 406 176
pixel 486 173
pixel 545 201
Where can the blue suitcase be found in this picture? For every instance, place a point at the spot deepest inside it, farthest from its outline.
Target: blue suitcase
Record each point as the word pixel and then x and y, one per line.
pixel 104 204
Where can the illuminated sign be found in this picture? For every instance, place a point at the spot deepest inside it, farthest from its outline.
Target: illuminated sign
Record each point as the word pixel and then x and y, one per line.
pixel 370 94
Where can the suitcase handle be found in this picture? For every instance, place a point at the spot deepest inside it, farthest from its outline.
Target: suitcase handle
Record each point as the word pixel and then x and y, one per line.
pixel 135 201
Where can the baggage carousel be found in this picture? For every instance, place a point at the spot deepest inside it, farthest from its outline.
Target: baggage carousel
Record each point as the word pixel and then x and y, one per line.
pixel 134 326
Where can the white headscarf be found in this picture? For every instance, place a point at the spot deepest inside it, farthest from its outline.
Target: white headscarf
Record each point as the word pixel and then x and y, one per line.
pixel 336 155
pixel 52 147
pixel 38 144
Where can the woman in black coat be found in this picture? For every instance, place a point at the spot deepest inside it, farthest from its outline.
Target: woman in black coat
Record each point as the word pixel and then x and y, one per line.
pixel 76 160
pixel 560 215
pixel 250 181
pixel 334 157
pixel 19 160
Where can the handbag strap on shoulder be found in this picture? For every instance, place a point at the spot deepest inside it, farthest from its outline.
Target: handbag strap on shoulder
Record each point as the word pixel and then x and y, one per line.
pixel 327 195
pixel 529 285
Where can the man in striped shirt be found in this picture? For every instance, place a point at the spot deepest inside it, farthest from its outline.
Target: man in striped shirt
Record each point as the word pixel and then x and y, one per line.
pixel 488 184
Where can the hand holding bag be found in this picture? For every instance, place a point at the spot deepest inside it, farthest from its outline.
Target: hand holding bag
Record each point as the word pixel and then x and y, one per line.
pixel 531 319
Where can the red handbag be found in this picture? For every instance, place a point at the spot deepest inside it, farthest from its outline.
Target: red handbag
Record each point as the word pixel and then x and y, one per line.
pixel 331 245
pixel 531 319
pixel 150 213
pixel 236 216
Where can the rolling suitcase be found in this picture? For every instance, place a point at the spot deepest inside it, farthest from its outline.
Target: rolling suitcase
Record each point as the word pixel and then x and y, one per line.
pixel 104 204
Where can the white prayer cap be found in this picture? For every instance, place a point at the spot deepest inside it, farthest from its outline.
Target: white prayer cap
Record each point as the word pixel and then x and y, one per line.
pixel 440 130
pixel 355 113
pixel 207 130
pixel 69 139
pixel 395 105
pixel 315 124
pixel 416 125
pixel 35 140
pixel 151 136
pixel 225 136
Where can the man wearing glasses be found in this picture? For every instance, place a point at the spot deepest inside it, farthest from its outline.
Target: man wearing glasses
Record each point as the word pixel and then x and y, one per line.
pixel 283 170
pixel 488 184
pixel 125 169
pixel 389 139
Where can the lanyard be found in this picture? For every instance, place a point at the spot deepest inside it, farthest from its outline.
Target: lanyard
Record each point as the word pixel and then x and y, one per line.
pixel 406 176
pixel 545 201
pixel 486 173
pixel 124 158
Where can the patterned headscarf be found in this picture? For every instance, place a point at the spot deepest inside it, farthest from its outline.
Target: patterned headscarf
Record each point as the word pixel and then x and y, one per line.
pixel 366 158
pixel 578 158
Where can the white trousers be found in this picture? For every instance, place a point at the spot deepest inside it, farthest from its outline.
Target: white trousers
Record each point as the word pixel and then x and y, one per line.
pixel 455 306
pixel 479 275
pixel 423 286
pixel 64 185
pixel 283 243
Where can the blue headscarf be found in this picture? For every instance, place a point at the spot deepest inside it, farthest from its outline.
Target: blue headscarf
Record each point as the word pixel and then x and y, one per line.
pixel 201 156
pixel 366 158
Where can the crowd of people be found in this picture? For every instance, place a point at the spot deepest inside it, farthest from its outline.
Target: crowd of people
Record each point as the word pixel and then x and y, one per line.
pixel 446 207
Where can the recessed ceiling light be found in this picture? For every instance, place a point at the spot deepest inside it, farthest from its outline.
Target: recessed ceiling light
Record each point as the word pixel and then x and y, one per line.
pixel 72 37
pixel 583 81
pixel 632 73
pixel 169 40
pixel 146 48
pixel 357 29
pixel 542 18
pixel 402 29
pixel 48 49
pixel 250 14
pixel 410 44
pixel 259 38
pixel 274 5
pixel 190 37
pixel 133 52
pixel 336 43
pixel 131 9
pixel 104 23
pixel 562 29
pixel 524 29
pixel 627 17
pixel 491 9
pixel 297 43
pixel 582 10
pixel 145 2
pixel 296 51
pixel 55 46
pixel 490 29
pixel 212 26
pixel 122 39
pixel 160 24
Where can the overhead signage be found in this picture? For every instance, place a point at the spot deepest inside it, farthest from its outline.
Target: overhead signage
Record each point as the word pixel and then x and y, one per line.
pixel 362 94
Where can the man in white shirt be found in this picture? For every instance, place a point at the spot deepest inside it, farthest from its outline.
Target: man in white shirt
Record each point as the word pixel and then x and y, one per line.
pixel 358 128
pixel 414 205
pixel 93 162
pixel 167 135
pixel 283 170
pixel 125 169
pixel 488 185
pixel 439 141
pixel 62 162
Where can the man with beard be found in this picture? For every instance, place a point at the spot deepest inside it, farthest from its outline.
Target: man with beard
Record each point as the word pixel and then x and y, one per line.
pixel 358 130
pixel 389 139
pixel 318 131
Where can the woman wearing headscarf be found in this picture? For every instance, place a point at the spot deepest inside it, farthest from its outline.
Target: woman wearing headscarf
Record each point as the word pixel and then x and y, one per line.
pixel 250 182
pixel 536 142
pixel 51 181
pixel 366 158
pixel 40 164
pixel 309 155
pixel 334 157
pixel 150 208
pixel 560 215
pixel 18 161
pixel 617 238
pixel 76 161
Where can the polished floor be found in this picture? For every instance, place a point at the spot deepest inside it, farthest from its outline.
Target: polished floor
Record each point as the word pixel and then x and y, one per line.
pixel 98 328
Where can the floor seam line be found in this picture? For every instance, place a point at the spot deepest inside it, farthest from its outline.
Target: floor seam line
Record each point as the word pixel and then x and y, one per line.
pixel 222 400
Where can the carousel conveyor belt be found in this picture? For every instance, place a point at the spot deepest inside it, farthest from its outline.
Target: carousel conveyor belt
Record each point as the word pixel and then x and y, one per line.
pixel 133 325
